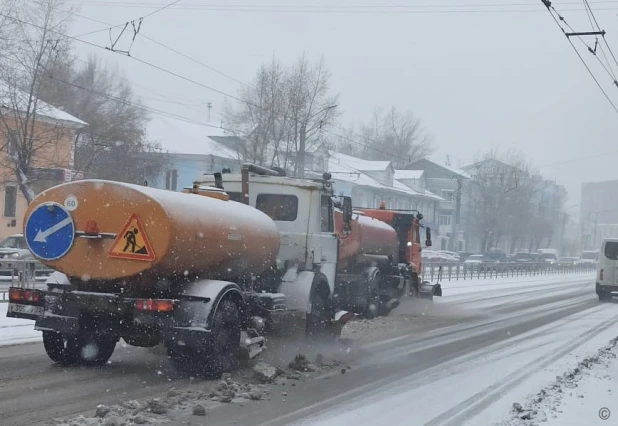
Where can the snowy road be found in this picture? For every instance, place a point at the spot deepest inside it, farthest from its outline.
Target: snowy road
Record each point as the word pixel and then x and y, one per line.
pixel 483 346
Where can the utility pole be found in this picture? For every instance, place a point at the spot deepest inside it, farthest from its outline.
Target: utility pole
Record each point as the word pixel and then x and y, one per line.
pixel 454 241
pixel 596 222
pixel 302 140
pixel 209 106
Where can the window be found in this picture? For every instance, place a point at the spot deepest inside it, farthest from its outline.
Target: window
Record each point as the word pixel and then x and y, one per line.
pixel 278 206
pixel 12 143
pixel 447 194
pixel 10 201
pixel 611 250
pixel 171 179
pixel 326 214
pixel 445 219
pixel 235 196
pixel 14 243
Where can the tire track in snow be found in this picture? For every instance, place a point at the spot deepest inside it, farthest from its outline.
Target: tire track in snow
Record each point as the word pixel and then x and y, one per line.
pixel 469 408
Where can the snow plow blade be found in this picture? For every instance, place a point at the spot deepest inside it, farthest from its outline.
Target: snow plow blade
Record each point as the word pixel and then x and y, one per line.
pixel 427 290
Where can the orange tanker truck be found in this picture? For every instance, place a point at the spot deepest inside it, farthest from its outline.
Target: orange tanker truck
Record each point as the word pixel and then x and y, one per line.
pixel 205 271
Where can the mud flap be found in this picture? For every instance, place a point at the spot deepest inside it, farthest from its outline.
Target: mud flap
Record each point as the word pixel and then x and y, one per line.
pixel 340 320
pixel 251 344
pixel 427 290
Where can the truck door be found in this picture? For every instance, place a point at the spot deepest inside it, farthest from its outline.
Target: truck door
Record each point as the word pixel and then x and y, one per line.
pixel 328 240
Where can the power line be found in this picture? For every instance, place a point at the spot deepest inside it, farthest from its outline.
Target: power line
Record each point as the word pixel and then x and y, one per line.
pixel 547 3
pixel 124 24
pixel 162 8
pixel 587 3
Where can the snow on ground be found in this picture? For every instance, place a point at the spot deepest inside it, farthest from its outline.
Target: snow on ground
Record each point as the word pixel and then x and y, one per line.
pixel 585 394
pixel 14 331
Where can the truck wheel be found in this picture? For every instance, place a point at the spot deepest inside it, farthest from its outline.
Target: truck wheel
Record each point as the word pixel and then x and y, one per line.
pixel 57 347
pixel 605 297
pixel 93 350
pixel 86 349
pixel 317 320
pixel 225 339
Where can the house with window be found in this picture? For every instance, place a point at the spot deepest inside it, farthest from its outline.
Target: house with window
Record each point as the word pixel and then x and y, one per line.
pixel 53 134
pixel 369 183
pixel 448 183
pixel 192 150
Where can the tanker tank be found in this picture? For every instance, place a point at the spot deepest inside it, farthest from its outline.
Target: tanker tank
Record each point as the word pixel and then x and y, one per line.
pixel 134 233
pixel 367 236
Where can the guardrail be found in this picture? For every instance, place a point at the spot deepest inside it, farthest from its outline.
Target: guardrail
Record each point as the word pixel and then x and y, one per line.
pixel 432 271
pixel 21 273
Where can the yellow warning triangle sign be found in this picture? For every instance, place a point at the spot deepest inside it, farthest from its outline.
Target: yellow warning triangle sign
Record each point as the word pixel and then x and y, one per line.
pixel 132 242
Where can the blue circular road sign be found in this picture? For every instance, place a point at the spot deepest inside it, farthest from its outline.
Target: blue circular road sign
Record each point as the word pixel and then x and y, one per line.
pixel 49 231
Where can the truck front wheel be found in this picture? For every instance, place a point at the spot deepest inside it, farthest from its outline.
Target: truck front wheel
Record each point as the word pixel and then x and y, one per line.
pixel 225 338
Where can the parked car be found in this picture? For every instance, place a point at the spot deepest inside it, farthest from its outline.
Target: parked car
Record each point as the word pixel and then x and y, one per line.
pixel 437 257
pixel 474 259
pixel 463 255
pixel 568 261
pixel 495 257
pixel 525 257
pixel 15 248
pixel 452 254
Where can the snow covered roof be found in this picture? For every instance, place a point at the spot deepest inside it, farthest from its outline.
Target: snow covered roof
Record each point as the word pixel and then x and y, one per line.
pixel 448 170
pixel 14 99
pixel 408 174
pixel 344 171
pixel 359 163
pixel 180 137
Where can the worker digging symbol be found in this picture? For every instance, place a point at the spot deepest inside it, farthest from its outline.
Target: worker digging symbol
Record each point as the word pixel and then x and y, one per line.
pixel 130 237
pixel 132 243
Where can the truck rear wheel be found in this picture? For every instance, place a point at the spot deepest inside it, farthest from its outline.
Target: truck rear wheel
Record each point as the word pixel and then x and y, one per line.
pixel 57 348
pixel 85 348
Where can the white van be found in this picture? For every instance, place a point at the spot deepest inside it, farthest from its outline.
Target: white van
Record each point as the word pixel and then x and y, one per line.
pixel 607 278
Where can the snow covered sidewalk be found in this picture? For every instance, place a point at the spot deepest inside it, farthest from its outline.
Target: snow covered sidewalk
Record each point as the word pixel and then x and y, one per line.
pixel 14 331
pixel 583 395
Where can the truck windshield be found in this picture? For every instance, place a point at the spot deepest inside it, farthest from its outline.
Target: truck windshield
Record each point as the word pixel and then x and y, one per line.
pixel 280 207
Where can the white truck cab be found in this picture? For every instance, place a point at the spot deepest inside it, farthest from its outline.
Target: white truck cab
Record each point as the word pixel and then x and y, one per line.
pixel 607 277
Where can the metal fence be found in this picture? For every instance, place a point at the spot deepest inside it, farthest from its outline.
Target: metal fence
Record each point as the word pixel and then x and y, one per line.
pixel 21 273
pixel 433 271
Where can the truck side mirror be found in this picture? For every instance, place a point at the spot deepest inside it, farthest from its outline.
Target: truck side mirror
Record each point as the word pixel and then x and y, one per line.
pixel 347 210
pixel 428 237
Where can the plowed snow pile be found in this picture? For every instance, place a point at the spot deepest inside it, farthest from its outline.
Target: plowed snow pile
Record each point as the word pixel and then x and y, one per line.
pixel 584 395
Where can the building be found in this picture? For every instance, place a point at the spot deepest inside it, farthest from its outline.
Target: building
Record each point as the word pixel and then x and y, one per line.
pixel 369 183
pixel 54 135
pixel 192 150
pixel 448 183
pixel 511 209
pixel 598 212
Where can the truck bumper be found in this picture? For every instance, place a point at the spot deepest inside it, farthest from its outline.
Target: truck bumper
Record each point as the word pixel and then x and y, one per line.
pixel 604 289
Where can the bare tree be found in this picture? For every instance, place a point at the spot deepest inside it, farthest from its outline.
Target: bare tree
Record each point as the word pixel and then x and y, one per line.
pixel 505 203
pixel 283 113
pixel 114 145
pixel 312 107
pixel 262 119
pixel 393 136
pixel 31 132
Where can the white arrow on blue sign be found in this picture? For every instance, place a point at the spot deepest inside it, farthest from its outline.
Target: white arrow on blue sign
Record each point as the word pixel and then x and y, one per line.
pixel 49 231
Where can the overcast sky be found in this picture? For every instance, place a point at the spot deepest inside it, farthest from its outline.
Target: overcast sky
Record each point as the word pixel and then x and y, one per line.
pixel 478 77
